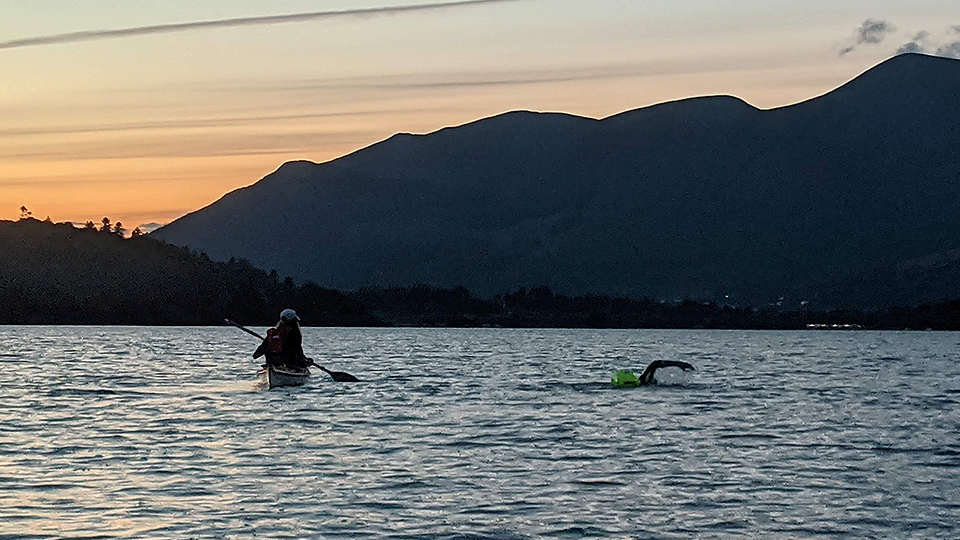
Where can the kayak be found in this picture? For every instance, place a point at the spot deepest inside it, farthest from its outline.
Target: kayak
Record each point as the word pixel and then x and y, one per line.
pixel 273 376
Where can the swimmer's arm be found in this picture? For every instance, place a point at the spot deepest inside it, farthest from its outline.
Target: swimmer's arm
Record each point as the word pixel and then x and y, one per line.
pixel 647 376
pixel 675 363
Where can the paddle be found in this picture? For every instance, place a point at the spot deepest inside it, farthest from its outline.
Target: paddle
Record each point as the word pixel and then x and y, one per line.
pixel 338 376
pixel 245 329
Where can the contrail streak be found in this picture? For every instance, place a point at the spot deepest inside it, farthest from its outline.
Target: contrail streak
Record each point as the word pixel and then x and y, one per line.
pixel 91 35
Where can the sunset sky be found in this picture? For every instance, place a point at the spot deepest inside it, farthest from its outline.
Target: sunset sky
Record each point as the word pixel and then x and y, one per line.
pixel 143 111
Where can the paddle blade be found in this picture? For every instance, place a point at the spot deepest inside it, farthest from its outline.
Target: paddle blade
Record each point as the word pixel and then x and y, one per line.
pixel 340 376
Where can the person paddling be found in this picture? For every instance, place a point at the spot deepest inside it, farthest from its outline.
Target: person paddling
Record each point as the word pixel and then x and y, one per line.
pixel 283 345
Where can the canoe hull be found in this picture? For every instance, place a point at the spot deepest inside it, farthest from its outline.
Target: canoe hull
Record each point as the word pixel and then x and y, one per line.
pixel 273 377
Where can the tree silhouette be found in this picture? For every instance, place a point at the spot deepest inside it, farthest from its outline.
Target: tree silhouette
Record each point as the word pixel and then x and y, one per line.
pixel 118 229
pixel 24 213
pixel 106 225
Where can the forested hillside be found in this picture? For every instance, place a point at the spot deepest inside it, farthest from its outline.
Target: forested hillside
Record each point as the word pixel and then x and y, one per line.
pixel 58 274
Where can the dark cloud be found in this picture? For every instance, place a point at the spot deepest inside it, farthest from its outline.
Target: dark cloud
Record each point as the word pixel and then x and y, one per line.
pixel 916 45
pixel 92 35
pixel 871 32
pixel 923 43
pixel 911 47
pixel 950 50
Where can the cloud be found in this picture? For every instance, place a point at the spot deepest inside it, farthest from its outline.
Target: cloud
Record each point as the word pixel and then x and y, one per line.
pixel 950 50
pixel 871 32
pixel 92 35
pixel 148 228
pixel 911 47
pixel 916 45
pixel 300 142
pixel 464 79
pixel 923 43
pixel 170 125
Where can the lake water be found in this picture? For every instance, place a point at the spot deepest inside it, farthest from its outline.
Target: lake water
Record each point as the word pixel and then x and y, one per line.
pixel 480 434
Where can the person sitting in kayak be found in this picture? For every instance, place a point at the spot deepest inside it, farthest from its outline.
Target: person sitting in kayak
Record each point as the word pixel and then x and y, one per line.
pixel 283 345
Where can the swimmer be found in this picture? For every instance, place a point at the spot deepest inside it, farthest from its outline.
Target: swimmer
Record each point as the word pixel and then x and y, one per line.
pixel 627 378
pixel 646 378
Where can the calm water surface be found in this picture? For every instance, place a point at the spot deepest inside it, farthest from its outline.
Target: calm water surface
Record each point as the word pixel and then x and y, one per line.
pixel 475 434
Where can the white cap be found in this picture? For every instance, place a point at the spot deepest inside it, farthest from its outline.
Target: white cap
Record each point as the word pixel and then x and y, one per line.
pixel 289 315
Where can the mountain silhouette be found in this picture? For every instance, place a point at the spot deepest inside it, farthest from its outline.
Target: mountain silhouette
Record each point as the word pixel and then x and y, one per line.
pixel 706 198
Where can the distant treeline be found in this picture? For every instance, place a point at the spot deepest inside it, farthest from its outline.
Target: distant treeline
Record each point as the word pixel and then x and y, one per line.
pixel 541 308
pixel 59 274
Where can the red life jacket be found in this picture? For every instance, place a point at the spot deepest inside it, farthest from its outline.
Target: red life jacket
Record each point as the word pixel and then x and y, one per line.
pixel 275 339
